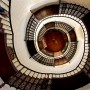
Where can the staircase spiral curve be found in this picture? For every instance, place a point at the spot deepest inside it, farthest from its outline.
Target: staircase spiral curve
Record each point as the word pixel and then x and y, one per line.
pixel 57 38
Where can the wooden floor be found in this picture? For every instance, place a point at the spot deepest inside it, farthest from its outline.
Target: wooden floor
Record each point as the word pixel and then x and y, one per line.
pixel 86 21
pixel 47 11
pixel 54 40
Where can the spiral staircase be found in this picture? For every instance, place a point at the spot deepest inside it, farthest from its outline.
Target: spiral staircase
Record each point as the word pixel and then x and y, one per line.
pixel 48 65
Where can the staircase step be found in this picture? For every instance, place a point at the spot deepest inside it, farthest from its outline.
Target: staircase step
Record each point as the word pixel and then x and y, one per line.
pixel 6 27
pixel 73 9
pixel 10 45
pixel 5 18
pixel 86 21
pixel 9 36
pixel 35 75
pixel 5 22
pixel 39 75
pixel 71 83
pixel 31 47
pixel 3 5
pixel 23 70
pixel 19 67
pixel 15 60
pixel 41 34
pixel 72 50
pixel 22 85
pixel 7 31
pixel 16 64
pixel 6 2
pixel 28 86
pixel 31 73
pixel 17 83
pixel 27 72
pixel 9 41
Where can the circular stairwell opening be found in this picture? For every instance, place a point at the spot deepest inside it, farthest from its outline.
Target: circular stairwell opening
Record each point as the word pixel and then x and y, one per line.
pixel 54 40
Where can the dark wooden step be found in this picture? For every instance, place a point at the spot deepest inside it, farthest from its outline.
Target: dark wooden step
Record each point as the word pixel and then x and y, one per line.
pixel 70 83
pixel 47 11
pixel 31 47
pixel 86 21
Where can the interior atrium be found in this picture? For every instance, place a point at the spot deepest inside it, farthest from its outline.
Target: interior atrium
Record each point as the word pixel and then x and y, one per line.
pixel 44 44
